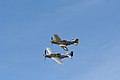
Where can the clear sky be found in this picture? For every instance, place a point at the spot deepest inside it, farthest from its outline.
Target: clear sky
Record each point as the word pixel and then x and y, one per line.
pixel 27 25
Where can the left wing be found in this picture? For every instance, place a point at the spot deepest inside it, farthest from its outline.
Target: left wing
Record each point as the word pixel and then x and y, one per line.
pixel 49 51
pixel 57 37
pixel 57 59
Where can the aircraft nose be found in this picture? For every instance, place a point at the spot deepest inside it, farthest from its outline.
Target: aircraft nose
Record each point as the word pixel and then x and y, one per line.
pixel 53 41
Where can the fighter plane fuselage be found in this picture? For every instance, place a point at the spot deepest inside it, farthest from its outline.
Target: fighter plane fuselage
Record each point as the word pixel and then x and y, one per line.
pixel 63 42
pixel 56 55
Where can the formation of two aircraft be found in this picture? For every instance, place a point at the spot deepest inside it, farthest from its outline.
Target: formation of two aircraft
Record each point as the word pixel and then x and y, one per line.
pixel 62 43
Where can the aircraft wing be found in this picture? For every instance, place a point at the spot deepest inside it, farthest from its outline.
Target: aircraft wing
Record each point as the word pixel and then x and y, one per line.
pixel 57 59
pixel 49 51
pixel 65 48
pixel 57 37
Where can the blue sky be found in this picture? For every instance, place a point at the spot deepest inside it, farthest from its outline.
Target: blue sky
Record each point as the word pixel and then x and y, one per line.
pixel 27 25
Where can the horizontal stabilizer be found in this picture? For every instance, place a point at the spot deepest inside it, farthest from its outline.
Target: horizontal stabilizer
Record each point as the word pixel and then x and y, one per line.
pixel 70 55
pixel 76 41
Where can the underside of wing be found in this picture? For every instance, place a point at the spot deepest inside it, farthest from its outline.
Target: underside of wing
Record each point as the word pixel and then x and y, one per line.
pixel 57 59
pixel 65 48
pixel 57 37
pixel 49 51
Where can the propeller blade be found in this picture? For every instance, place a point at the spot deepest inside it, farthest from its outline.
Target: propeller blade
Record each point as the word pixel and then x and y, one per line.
pixel 51 38
pixel 45 58
pixel 45 52
pixel 45 55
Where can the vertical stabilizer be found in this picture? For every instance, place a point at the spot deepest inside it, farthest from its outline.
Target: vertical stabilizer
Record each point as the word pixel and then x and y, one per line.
pixel 70 55
pixel 76 42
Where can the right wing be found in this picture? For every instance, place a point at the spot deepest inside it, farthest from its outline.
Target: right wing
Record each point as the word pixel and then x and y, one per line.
pixel 65 48
pixel 49 51
pixel 57 37
pixel 57 59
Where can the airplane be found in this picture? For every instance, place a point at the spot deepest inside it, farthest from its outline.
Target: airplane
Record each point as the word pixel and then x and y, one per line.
pixel 63 43
pixel 57 56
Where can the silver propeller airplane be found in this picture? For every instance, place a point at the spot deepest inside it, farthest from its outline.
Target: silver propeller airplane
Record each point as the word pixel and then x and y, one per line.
pixel 57 56
pixel 63 43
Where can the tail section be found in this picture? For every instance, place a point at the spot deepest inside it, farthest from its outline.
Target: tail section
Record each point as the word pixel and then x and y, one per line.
pixel 76 42
pixel 70 55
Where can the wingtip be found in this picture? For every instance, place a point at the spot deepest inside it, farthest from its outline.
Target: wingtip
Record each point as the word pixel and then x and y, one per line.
pixel 61 63
pixel 55 34
pixel 65 48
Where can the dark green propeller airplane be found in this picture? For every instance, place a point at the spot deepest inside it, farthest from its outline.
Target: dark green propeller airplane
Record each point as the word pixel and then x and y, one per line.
pixel 63 43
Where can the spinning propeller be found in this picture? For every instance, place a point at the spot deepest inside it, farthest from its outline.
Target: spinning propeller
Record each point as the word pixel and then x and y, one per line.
pixel 45 54
pixel 51 40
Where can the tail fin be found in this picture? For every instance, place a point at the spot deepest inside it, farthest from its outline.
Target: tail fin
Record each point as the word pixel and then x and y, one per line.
pixel 70 55
pixel 76 41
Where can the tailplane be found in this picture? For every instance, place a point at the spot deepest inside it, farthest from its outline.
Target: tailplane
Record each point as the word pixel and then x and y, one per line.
pixel 70 55
pixel 76 42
